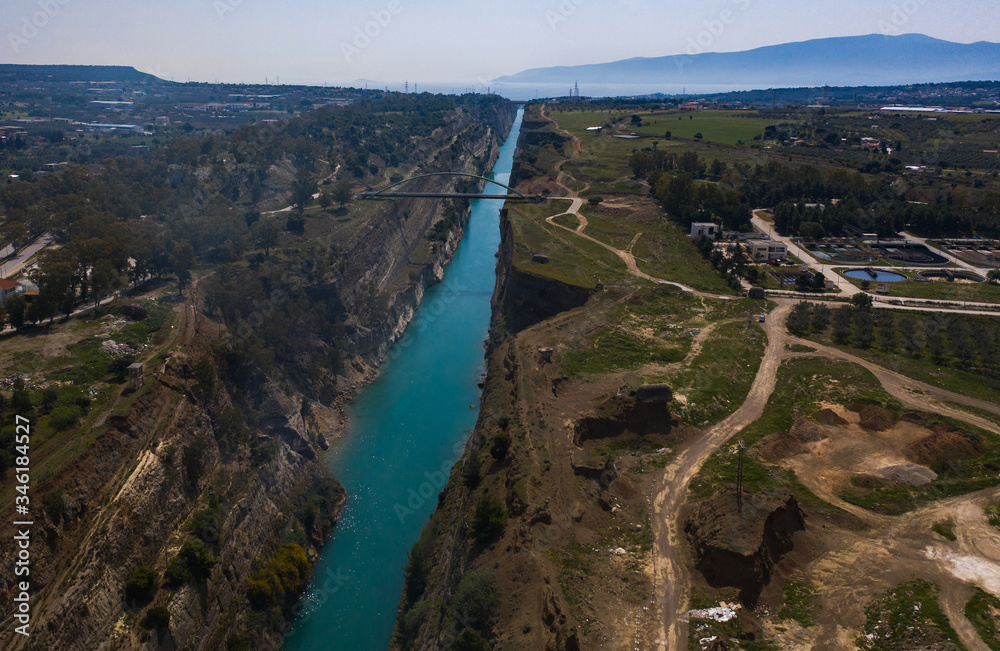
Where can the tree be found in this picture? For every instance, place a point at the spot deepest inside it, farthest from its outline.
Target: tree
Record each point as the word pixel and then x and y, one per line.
pixel 862 301
pixel 325 201
pixel 864 329
pixel 799 319
pixel 20 400
pixel 489 517
pixel 103 279
pixel 813 230
pixel 4 319
pixel 156 618
pixel 820 318
pixel 912 342
pixel 476 600
pixel 266 234
pixel 303 189
pixel 16 309
pixel 342 193
pixel 501 444
pixel 141 585
pixel 993 276
pixel 204 373
pixel 935 342
pixel 469 640
pixel 887 336
pixel 842 318
pixel 181 263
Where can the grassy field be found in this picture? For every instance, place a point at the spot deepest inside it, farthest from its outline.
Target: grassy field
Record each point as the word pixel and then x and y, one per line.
pixel 70 380
pixel 982 612
pixel 719 378
pixel 572 259
pixel 940 290
pixel 728 127
pixel 665 251
pixel 947 374
pixel 650 327
pixel 908 617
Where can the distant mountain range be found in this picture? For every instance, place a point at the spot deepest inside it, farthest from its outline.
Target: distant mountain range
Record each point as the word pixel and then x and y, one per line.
pixel 73 73
pixel 845 61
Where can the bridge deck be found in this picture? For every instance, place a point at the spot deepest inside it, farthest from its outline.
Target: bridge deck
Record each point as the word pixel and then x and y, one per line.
pixel 446 195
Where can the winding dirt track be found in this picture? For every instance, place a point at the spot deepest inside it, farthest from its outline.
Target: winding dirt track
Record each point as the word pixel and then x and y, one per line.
pixel 893 542
pixel 671 576
pixel 574 209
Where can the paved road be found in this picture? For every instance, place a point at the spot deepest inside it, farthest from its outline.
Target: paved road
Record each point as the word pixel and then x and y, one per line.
pixel 848 290
pixel 14 266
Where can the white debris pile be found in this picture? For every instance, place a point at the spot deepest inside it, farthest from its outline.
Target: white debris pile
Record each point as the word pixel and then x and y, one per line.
pixel 723 613
pixel 618 551
pixel 112 325
pixel 8 382
pixel 116 348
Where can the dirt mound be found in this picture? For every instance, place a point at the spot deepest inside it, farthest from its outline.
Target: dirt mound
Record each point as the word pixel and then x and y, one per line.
pixel 876 418
pixel 910 473
pixel 621 414
pixel 942 446
pixel 829 417
pixel 789 444
pixel 734 549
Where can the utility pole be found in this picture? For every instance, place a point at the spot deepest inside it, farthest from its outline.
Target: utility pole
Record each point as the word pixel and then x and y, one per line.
pixel 739 477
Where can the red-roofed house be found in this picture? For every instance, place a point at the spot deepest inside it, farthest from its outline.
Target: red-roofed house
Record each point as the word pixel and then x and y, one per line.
pixel 8 288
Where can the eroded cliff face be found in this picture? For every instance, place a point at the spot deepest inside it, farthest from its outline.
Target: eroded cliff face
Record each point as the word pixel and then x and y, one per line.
pixel 522 299
pixel 130 498
pixel 167 457
pixel 739 549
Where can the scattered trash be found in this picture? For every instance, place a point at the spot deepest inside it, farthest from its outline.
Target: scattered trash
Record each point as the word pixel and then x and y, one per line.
pixel 116 348
pixel 619 551
pixel 722 613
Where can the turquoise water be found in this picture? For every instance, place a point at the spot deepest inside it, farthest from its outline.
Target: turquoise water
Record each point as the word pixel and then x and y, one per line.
pixel 880 276
pixel 407 429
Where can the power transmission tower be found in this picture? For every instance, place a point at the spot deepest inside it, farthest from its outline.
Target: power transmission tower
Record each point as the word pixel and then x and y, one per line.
pixel 739 477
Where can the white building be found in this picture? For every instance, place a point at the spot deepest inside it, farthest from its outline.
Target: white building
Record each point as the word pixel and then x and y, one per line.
pixel 704 229
pixel 8 288
pixel 767 250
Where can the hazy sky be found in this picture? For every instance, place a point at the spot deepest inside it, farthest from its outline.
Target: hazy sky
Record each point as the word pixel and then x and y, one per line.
pixel 454 41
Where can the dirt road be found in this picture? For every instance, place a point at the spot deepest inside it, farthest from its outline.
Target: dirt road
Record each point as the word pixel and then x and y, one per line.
pixel 671 575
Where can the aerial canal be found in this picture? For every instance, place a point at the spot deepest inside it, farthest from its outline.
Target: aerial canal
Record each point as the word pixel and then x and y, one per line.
pixel 407 429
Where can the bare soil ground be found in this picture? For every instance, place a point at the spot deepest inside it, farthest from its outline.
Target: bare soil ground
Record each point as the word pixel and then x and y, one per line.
pixel 848 565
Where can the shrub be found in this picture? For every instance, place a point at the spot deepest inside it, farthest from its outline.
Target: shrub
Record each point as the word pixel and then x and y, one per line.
pixel 501 444
pixel 56 506
pixel 489 517
pixel 470 474
pixel 141 585
pixel 65 416
pixel 475 600
pixel 156 617
pixel 194 562
pixel 283 576
pixel 469 640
